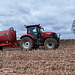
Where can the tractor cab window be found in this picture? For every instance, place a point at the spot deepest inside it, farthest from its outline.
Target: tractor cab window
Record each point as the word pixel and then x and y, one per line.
pixel 33 31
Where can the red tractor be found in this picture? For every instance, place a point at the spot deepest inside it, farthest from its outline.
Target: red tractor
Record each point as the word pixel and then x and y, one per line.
pixel 32 40
pixel 35 38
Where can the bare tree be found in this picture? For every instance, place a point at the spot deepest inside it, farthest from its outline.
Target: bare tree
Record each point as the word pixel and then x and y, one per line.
pixel 73 27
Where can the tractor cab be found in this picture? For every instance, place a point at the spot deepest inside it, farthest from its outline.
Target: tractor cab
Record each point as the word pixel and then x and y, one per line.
pixel 34 30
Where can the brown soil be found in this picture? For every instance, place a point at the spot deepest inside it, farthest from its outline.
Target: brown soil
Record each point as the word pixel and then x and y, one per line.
pixel 14 61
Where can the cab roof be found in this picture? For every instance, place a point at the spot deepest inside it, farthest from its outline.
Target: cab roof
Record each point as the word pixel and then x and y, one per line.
pixel 33 25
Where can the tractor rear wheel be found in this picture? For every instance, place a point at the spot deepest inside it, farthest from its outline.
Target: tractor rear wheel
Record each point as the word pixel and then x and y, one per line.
pixel 27 43
pixel 50 43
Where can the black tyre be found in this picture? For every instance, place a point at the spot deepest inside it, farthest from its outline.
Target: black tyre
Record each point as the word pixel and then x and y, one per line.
pixel 50 43
pixel 27 43
pixel 57 45
pixel 1 47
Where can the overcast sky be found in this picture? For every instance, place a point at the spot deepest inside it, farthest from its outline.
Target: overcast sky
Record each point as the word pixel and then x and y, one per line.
pixel 54 15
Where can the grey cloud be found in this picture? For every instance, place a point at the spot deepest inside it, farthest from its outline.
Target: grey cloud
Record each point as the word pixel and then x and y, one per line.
pixel 51 14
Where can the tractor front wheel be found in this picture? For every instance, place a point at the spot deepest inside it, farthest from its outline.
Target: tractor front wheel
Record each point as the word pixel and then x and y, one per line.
pixel 50 43
pixel 27 43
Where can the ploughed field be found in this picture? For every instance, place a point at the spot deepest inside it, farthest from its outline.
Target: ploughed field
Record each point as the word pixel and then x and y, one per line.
pixel 14 61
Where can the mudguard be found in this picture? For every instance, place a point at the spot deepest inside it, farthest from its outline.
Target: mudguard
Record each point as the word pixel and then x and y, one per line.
pixel 27 35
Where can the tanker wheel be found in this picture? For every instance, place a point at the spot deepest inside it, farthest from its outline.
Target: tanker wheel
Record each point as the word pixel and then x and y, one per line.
pixel 1 47
pixel 50 43
pixel 27 43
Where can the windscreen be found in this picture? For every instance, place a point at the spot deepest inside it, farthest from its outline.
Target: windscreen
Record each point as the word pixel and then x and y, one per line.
pixel 33 31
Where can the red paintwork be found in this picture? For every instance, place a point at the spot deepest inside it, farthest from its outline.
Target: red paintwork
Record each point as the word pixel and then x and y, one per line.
pixel 8 38
pixel 10 44
pixel 7 35
pixel 14 44
pixel 28 35
pixel 45 34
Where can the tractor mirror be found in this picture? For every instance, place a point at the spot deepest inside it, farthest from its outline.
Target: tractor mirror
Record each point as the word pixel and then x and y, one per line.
pixel 42 29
